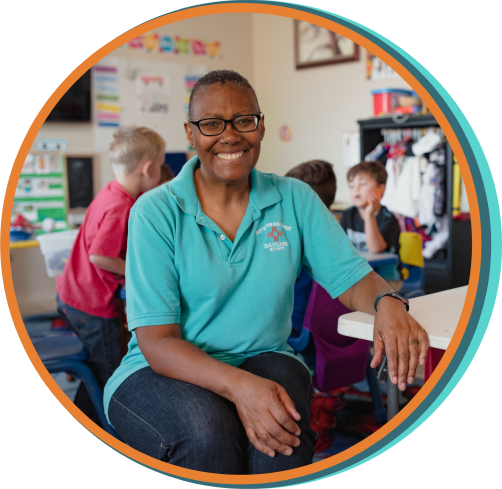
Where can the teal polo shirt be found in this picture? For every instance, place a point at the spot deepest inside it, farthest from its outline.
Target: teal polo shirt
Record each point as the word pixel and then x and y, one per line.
pixel 232 300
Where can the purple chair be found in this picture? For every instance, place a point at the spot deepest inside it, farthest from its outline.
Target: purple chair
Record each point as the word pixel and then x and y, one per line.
pixel 340 360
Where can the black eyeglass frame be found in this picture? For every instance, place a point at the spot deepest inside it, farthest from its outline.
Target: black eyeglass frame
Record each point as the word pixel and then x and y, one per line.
pixel 196 123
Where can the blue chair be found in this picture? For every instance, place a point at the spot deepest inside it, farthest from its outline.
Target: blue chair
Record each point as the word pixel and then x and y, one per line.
pixel 300 336
pixel 298 340
pixel 64 352
pixel 413 286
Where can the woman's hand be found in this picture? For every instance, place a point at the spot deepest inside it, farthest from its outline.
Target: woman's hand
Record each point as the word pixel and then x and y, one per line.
pixel 264 407
pixel 401 338
pixel 395 333
pixel 267 414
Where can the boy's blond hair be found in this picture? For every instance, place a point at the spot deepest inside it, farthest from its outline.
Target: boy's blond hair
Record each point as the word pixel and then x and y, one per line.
pixel 132 145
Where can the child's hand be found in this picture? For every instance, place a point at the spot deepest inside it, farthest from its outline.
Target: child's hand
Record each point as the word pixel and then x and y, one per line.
pixel 373 207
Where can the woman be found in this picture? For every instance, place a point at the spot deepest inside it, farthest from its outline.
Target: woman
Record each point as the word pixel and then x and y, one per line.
pixel 209 382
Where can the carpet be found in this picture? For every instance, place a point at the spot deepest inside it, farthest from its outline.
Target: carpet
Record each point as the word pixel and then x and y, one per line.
pixel 344 417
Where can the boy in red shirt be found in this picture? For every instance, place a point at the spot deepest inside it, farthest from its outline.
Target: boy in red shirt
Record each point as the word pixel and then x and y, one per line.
pixel 96 267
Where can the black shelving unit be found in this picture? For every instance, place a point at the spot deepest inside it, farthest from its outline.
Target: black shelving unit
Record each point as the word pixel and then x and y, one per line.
pixel 450 268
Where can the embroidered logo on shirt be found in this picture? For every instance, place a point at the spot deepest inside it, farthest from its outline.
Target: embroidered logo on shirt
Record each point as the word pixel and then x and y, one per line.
pixel 275 234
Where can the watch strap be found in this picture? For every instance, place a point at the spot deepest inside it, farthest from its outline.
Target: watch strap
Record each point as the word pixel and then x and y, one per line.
pixel 394 295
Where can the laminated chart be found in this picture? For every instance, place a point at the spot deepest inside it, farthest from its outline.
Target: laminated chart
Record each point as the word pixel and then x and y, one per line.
pixel 106 94
pixel 41 189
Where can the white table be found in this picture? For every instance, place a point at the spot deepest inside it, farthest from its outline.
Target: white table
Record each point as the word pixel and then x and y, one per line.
pixel 437 313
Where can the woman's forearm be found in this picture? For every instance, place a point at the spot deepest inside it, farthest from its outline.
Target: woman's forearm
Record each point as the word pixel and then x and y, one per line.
pixel 168 354
pixel 362 295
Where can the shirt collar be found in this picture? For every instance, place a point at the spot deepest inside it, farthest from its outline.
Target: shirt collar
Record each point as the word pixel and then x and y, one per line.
pixel 264 191
pixel 115 187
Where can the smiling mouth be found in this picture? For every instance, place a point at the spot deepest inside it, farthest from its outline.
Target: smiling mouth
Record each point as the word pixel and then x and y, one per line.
pixel 230 156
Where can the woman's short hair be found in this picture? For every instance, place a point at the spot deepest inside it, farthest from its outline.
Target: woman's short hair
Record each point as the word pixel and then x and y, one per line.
pixel 372 168
pixel 131 145
pixel 219 77
pixel 320 176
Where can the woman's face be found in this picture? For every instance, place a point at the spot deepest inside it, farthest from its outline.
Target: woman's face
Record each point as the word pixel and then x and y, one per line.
pixel 230 156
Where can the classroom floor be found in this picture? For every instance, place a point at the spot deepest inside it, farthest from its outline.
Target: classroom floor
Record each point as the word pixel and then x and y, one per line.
pixel 353 415
pixel 355 421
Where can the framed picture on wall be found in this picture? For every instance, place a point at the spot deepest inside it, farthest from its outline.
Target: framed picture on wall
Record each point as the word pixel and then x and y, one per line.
pixel 316 46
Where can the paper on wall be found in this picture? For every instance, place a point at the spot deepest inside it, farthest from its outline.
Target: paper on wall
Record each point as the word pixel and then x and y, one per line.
pixel 350 148
pixel 153 94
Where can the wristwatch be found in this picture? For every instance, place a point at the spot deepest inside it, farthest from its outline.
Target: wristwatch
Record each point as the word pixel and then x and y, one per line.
pixel 395 295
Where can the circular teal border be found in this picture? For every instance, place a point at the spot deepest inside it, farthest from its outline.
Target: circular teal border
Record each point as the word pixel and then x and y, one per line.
pixel 491 251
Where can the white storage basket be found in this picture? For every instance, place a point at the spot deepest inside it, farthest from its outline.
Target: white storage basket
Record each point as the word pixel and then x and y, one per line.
pixel 56 248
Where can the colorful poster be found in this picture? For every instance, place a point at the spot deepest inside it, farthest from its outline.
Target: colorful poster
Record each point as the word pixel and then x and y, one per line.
pixel 29 164
pixel 39 187
pixel 152 93
pixel 376 69
pixel 40 190
pixel 106 95
pixel 194 73
pixel 190 81
pixel 178 45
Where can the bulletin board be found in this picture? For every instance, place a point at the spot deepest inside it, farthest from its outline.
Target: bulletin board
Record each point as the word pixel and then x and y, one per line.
pixel 41 189
pixel 145 93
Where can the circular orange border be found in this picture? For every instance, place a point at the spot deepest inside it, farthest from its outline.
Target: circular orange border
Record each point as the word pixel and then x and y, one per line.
pixel 283 12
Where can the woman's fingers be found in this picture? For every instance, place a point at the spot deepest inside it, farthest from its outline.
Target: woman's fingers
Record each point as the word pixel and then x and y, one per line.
pixel 263 439
pixel 275 426
pixel 414 347
pixel 423 340
pixel 403 356
pixel 392 356
pixel 258 444
pixel 267 419
pixel 289 405
pixel 406 345
pixel 378 351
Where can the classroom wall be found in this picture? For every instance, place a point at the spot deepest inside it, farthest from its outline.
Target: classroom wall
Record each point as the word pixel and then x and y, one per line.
pixel 233 31
pixel 317 103
pixel 35 291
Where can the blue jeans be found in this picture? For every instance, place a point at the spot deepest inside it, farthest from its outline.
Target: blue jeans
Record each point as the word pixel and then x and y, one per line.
pixel 191 427
pixel 101 338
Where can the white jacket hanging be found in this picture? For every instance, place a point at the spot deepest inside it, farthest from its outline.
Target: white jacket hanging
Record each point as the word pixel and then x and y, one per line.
pixel 407 192
pixel 426 215
pixel 390 187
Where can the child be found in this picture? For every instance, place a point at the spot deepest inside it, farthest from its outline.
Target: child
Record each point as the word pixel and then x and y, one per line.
pixel 320 176
pixel 96 266
pixel 369 225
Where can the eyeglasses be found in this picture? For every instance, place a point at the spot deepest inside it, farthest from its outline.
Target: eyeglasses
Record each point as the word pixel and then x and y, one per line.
pixel 214 127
